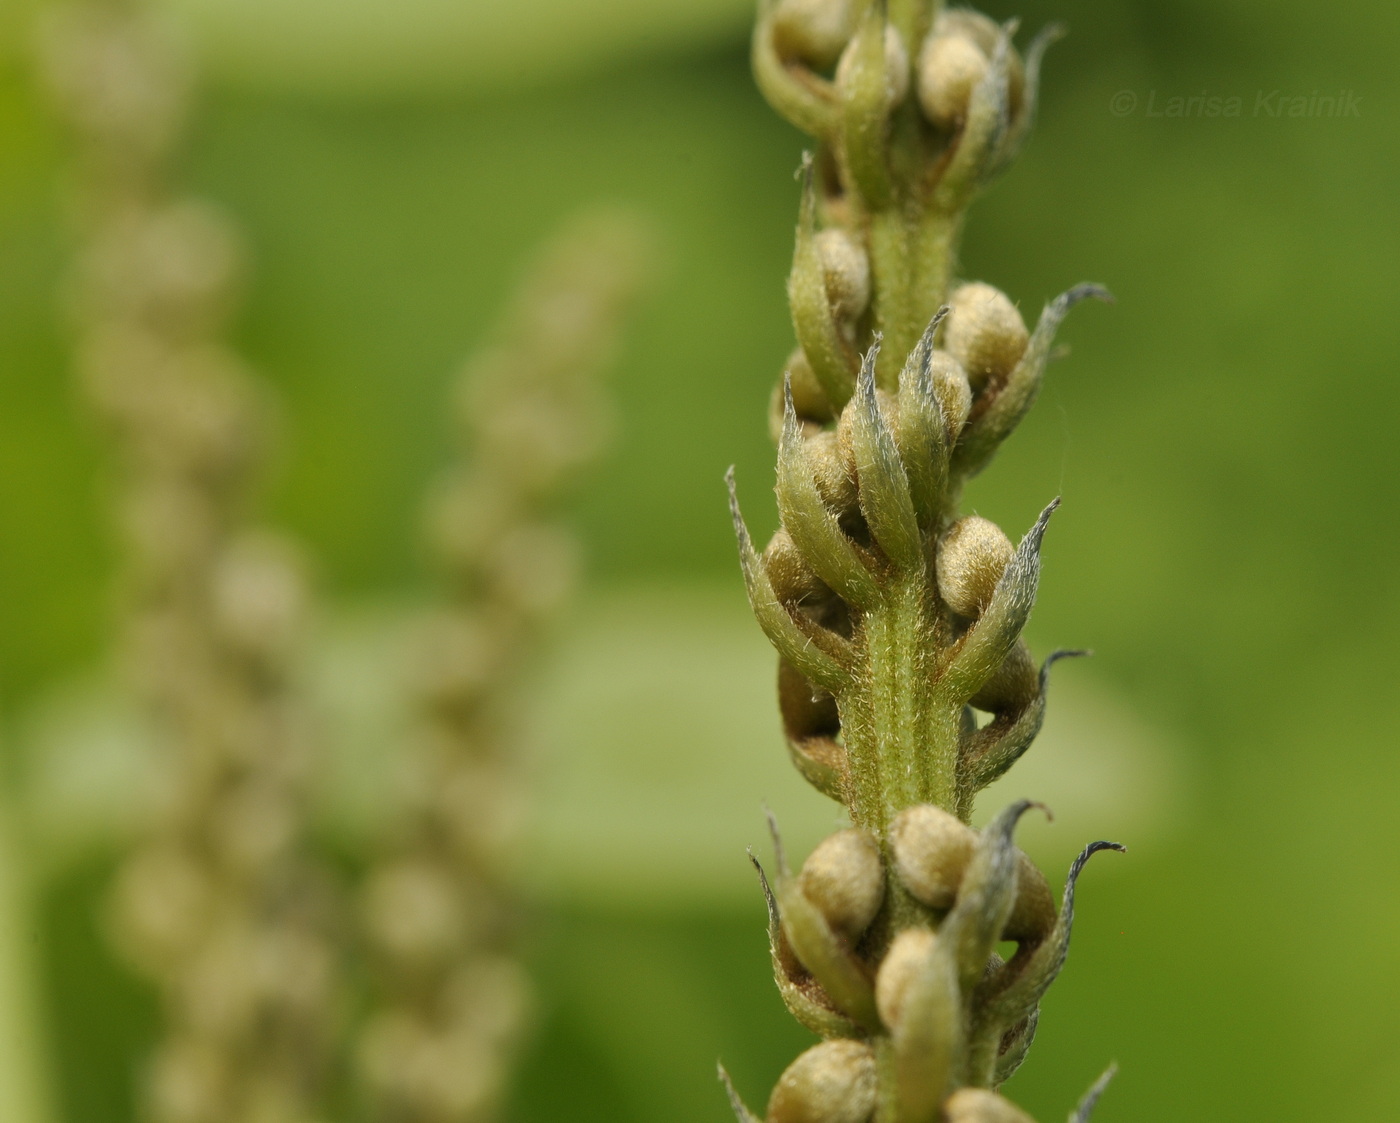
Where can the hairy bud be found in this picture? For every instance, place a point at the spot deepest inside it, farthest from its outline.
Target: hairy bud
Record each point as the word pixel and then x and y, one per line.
pixel 896 68
pixel 813 31
pixel 846 270
pixel 901 965
pixel 977 1105
pixel 931 851
pixel 985 332
pixel 832 473
pixel 791 576
pixel 972 556
pixel 844 878
pixel 834 1082
pixel 950 66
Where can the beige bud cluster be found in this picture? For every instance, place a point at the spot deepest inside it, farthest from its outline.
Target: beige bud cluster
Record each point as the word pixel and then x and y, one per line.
pixel 451 1002
pixel 221 904
pixel 904 682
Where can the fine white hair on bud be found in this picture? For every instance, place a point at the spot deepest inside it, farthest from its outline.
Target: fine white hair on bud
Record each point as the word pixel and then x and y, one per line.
pixel 972 556
pixel 896 69
pixel 978 1105
pixel 985 332
pixel 834 1082
pixel 950 67
pixel 846 270
pixel 813 31
pixel 898 970
pixel 845 879
pixel 931 850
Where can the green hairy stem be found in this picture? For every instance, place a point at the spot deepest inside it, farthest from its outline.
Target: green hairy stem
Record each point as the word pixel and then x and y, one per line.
pixel 897 621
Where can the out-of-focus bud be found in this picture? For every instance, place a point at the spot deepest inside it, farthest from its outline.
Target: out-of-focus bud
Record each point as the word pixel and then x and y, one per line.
pixel 413 912
pixel 844 878
pixel 1033 915
pixel 972 556
pixel 813 31
pixel 532 568
pixel 896 68
pixel 898 970
pixel 173 269
pixel 189 1082
pixel 457 654
pixel 792 577
pixel 950 66
pixel 983 32
pixel 985 332
pixel 254 824
pixel 161 905
pixel 834 1082
pixel 259 597
pixel 846 268
pixel 977 1105
pixel 931 851
pixel 489 999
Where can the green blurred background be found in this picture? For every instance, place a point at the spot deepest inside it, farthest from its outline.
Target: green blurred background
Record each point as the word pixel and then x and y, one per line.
pixel 1223 438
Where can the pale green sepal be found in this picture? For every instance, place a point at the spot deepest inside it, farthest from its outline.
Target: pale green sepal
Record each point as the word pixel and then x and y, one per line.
pixel 885 498
pixel 826 955
pixel 984 435
pixel 802 1004
pixel 1082 1113
pixel 922 438
pixel 1017 989
pixel 741 1112
pixel 988 752
pixel 1014 1051
pixel 814 530
pixel 985 897
pixel 862 89
pixel 928 1043
pixel 1024 121
pixel 832 358
pixel 801 97
pixel 796 642
pixel 984 129
pixel 992 636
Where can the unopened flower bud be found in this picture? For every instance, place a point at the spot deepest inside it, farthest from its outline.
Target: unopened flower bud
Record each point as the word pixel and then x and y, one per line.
pixel 972 556
pixel 898 970
pixel 950 67
pixel 954 393
pixel 978 1105
pixel 845 427
pixel 813 31
pixel 834 479
pixel 792 578
pixel 809 400
pixel 412 911
pixel 985 332
pixel 931 851
pixel 896 68
pixel 844 878
pixel 834 1082
pixel 846 269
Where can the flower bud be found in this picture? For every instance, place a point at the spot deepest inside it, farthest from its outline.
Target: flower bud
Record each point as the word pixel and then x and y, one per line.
pixel 834 1082
pixel 896 68
pixel 792 577
pixel 898 970
pixel 978 1105
pixel 835 482
pixel 951 387
pixel 813 31
pixel 846 270
pixel 412 911
pixel 950 67
pixel 931 851
pixel 844 878
pixel 972 556
pixel 809 400
pixel 985 332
